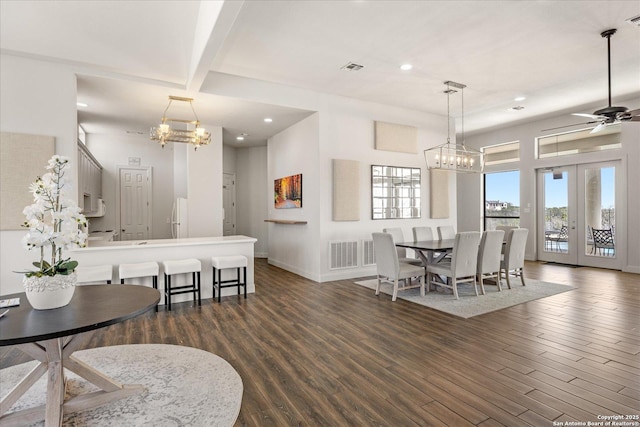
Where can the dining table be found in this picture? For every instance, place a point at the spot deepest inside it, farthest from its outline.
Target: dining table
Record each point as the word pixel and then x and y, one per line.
pixel 52 336
pixel 430 251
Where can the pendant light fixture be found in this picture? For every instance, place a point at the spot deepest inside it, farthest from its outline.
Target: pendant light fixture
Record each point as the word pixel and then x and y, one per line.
pixel 454 157
pixel 180 130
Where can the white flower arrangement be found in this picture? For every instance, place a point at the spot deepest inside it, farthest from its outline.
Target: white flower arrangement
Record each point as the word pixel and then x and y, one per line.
pixel 54 221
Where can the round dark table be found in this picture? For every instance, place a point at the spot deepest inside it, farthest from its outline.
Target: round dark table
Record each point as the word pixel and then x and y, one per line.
pixel 51 337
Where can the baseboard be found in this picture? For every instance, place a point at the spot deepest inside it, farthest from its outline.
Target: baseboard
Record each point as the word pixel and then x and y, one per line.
pixel 292 269
pixel 632 269
pixel 261 255
pixel 352 273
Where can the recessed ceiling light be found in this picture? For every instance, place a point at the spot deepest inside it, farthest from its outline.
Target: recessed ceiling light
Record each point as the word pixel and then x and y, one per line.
pixel 240 138
pixel 519 98
pixel 268 119
pixel 516 108
pixel 406 67
pixel 82 104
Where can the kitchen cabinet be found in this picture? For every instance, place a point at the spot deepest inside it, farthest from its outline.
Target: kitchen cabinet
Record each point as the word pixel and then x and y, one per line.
pixel 89 180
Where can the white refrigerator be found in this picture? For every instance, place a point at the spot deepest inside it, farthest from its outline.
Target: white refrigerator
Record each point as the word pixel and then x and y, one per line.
pixel 179 224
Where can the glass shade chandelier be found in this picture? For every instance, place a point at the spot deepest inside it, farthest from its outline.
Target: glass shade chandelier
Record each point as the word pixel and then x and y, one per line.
pixel 454 157
pixel 180 130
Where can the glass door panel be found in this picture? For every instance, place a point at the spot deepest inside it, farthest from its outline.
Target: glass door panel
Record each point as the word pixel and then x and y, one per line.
pixel 557 218
pixel 601 245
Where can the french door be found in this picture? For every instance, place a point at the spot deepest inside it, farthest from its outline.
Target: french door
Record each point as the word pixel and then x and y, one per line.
pixel 578 208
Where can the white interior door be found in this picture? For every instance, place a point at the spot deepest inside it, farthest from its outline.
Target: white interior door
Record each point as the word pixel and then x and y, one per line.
pixel 229 204
pixel 578 209
pixel 134 203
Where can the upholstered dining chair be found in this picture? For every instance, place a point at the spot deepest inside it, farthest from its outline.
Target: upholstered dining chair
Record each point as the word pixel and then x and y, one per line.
pixel 513 259
pixel 489 257
pixel 506 229
pixel 422 233
pixel 446 232
pixel 398 236
pixel 390 269
pixel 462 268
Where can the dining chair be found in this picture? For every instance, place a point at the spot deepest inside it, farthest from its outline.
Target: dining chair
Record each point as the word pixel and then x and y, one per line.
pixel 462 268
pixel 513 259
pixel 489 257
pixel 390 269
pixel 506 229
pixel 398 236
pixel 422 233
pixel 446 232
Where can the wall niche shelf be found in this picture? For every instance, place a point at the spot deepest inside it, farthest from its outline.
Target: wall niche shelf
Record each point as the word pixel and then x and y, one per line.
pixel 284 221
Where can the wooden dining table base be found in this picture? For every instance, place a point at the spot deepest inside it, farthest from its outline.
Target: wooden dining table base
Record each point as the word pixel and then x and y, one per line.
pixel 55 355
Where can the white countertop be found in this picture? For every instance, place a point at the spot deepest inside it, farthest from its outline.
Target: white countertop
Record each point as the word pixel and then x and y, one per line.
pixel 141 244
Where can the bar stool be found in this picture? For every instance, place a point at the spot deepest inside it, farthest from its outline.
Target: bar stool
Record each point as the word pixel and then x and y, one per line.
pixel 182 266
pixel 94 273
pixel 220 263
pixel 139 270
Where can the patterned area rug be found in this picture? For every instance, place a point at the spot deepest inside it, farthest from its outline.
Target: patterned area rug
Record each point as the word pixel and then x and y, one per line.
pixel 185 387
pixel 469 305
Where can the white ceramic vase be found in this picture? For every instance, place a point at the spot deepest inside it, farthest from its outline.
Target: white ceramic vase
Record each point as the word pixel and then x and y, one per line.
pixel 48 292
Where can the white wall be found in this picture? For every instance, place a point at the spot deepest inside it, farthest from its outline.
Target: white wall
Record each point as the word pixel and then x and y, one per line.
pixel 228 159
pixel 470 186
pixel 37 98
pixel 113 151
pixel 291 152
pixel 347 132
pixel 205 187
pixel 251 197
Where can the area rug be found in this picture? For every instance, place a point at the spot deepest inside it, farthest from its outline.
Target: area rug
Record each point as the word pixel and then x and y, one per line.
pixel 469 305
pixel 184 387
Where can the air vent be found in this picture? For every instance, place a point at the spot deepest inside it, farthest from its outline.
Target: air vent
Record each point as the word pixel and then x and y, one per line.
pixel 368 255
pixel 343 255
pixel 352 66
pixel 634 21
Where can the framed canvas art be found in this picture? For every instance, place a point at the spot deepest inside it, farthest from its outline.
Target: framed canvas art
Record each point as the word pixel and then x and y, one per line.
pixel 287 192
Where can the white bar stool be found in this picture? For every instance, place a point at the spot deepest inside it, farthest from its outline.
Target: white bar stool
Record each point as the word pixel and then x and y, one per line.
pixel 182 266
pixel 94 273
pixel 220 263
pixel 139 270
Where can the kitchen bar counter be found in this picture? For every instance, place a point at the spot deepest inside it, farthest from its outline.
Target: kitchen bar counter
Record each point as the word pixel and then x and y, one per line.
pixel 99 252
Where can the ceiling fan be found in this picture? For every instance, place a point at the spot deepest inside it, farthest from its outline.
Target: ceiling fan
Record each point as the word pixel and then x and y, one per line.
pixel 610 114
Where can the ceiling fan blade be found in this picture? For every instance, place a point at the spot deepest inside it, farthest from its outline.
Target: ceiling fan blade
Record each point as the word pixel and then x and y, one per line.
pixel 590 116
pixel 568 126
pixel 633 116
pixel 599 127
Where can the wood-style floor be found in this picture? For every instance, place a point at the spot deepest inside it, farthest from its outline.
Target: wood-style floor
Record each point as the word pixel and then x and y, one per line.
pixel 335 354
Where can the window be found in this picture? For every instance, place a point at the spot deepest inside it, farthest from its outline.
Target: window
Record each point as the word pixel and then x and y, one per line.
pixel 576 142
pixel 501 199
pixel 501 153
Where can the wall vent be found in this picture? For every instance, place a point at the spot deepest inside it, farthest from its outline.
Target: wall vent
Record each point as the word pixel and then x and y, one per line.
pixel 368 255
pixel 343 255
pixel 351 66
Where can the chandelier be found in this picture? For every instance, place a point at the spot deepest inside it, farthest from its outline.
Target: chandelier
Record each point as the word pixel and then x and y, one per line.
pixel 454 157
pixel 180 130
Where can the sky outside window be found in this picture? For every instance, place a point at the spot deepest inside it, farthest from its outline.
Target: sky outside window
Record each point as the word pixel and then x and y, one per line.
pixel 503 187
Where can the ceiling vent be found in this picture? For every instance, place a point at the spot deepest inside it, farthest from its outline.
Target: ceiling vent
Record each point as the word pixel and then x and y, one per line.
pixel 634 21
pixel 352 66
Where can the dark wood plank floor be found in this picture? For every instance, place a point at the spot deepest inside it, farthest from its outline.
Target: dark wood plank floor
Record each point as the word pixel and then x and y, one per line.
pixel 335 354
